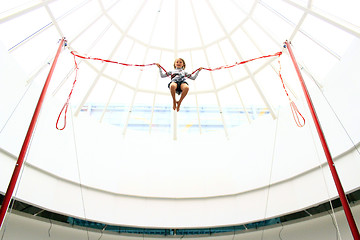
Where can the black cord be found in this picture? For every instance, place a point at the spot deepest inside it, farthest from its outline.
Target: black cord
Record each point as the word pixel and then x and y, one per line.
pixel 282 228
pixel 333 221
pixel 233 234
pixel 50 228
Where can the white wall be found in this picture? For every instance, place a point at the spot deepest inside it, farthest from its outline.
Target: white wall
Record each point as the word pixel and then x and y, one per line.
pixel 320 228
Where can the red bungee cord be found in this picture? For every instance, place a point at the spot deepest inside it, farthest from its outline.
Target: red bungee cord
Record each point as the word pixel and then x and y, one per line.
pixel 110 61
pixel 239 63
pixel 66 105
pixel 294 109
pixel 75 54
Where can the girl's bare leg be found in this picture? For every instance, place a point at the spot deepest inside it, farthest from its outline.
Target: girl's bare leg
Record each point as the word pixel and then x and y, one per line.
pixel 173 87
pixel 185 89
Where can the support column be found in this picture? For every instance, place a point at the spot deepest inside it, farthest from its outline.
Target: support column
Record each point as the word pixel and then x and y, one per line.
pixel 344 202
pixel 19 163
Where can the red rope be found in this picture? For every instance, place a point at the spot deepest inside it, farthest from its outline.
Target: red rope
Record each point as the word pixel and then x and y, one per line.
pixel 110 61
pixel 66 105
pixel 146 65
pixel 75 54
pixel 294 110
pixel 239 63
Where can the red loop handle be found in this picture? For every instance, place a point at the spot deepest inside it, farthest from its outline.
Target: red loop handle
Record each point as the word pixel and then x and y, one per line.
pixel 296 113
pixel 294 110
pixel 57 122
pixel 66 105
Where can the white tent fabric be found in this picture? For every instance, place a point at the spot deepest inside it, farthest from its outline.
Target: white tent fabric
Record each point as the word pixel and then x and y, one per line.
pixel 185 173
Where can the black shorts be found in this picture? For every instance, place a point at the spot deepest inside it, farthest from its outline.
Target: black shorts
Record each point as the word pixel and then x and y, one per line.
pixel 178 88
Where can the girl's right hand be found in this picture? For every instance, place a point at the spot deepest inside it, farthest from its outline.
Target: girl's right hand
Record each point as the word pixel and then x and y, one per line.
pixel 157 65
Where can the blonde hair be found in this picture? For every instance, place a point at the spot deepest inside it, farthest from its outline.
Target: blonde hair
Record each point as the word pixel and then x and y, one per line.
pixel 184 64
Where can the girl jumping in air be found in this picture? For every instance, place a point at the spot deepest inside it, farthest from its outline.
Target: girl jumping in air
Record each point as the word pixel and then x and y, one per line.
pixel 178 82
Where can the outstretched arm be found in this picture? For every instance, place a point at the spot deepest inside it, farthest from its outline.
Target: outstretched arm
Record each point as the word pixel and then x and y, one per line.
pixel 163 74
pixel 194 76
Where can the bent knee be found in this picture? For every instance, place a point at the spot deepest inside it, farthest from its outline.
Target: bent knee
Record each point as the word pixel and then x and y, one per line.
pixel 184 87
pixel 173 86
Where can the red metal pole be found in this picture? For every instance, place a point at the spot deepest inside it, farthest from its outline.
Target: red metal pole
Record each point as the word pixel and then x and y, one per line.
pixel 344 202
pixel 19 163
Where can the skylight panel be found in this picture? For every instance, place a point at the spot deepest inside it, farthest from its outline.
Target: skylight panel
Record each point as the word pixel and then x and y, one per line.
pixel 329 37
pixel 229 13
pixel 163 36
pixel 347 10
pixel 189 36
pixel 210 27
pixel 274 25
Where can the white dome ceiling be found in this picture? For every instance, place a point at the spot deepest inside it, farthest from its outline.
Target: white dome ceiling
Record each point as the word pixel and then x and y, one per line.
pixel 206 33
